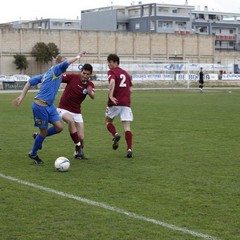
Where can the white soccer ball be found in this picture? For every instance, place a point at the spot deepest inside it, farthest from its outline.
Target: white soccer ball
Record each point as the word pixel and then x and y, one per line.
pixel 62 164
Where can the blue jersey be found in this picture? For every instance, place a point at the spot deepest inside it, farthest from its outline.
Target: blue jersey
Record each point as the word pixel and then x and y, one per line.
pixel 50 82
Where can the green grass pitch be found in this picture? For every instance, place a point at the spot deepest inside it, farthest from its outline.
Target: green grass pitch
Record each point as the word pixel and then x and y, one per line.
pixel 184 171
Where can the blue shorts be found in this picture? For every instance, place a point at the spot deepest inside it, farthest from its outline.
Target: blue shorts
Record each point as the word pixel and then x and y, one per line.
pixel 44 114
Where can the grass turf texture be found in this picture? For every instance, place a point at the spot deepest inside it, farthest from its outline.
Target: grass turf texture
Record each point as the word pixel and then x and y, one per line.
pixel 184 171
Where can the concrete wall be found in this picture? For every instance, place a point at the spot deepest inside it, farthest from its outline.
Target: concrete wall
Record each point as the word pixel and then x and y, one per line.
pixel 131 46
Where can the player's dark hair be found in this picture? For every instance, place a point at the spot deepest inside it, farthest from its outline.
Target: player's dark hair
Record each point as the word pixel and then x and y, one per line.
pixel 114 58
pixel 87 67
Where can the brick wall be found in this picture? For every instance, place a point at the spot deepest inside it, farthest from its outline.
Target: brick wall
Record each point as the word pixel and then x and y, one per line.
pixel 194 48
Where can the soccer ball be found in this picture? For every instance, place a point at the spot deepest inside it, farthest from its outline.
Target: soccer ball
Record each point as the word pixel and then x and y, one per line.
pixel 62 164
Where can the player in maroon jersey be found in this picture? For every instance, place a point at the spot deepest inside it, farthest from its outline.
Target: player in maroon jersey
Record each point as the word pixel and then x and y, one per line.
pixel 119 102
pixel 77 88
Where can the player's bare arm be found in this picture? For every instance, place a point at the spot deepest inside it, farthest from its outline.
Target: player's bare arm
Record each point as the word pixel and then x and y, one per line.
pixel 80 54
pixel 16 102
pixel 91 92
pixel 111 90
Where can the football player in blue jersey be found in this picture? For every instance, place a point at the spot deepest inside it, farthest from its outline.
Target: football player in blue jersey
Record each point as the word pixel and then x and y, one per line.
pixel 44 111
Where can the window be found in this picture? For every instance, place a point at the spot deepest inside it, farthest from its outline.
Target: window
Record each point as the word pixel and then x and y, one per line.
pixel 181 25
pixel 164 25
pixel 162 10
pixel 202 29
pixel 212 17
pixel 146 11
pixel 152 12
pixel 57 24
pixel 201 16
pixel 137 26
pixel 152 25
pixel 121 27
pixel 218 43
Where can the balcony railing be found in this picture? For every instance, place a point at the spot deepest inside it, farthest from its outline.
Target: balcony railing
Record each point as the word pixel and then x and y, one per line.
pixel 226 37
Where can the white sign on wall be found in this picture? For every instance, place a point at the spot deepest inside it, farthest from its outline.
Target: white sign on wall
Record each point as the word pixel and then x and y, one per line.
pixel 231 77
pixel 159 67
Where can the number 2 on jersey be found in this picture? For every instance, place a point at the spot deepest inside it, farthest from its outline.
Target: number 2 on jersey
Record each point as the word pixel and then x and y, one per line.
pixel 123 81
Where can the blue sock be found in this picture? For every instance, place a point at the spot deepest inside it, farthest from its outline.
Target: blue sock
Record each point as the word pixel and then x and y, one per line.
pixel 51 131
pixel 37 144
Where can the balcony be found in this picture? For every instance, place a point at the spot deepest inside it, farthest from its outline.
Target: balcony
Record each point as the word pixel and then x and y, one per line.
pixel 226 37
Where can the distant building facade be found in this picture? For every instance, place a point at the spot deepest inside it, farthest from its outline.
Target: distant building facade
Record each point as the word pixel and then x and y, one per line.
pixel 166 18
pixel 45 24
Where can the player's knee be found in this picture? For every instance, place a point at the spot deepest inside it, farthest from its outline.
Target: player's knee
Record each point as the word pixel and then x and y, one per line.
pixel 59 128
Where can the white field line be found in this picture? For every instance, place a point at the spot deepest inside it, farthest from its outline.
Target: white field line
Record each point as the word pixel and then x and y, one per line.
pixel 110 208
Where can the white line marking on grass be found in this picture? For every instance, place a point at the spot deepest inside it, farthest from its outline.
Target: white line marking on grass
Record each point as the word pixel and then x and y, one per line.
pixel 114 209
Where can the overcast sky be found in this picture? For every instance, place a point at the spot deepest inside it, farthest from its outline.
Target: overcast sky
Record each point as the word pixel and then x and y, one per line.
pixel 12 10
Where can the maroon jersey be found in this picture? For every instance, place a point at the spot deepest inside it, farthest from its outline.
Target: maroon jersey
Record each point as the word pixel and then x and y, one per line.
pixel 122 87
pixel 74 94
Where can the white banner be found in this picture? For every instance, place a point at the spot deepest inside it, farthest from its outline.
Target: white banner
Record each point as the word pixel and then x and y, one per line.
pixel 159 67
pixel 153 77
pixel 195 77
pixel 231 77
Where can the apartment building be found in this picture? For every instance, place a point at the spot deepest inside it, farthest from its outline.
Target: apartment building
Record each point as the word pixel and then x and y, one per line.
pixel 166 18
pixel 45 24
